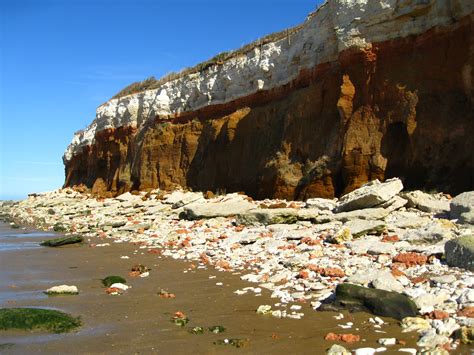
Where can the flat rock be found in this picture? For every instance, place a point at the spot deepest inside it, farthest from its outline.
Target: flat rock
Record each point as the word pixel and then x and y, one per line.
pixel 460 252
pixel 431 233
pixel 321 204
pixel 462 207
pixel 221 208
pixel 388 283
pixel 427 202
pixel 360 227
pixel 268 216
pixel 370 195
pixel 128 197
pixel 406 219
pixel 135 227
pixel 365 214
pixel 179 198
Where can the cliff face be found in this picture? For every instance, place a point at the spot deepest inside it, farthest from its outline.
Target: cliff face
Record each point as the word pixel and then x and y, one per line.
pixel 364 90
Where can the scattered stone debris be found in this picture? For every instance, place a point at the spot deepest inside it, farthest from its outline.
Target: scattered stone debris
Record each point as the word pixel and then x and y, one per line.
pixel 407 255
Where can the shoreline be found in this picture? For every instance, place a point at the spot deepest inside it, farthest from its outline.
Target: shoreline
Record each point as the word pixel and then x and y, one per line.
pixel 294 262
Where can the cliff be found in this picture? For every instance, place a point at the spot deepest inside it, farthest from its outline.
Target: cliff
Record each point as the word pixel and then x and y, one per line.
pixel 363 89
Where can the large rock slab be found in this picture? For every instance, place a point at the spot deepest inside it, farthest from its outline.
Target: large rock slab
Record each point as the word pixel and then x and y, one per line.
pixel 233 206
pixel 370 195
pixel 460 252
pixel 179 198
pixel 379 302
pixel 321 204
pixel 462 207
pixel 427 202
pixel 360 227
pixel 268 216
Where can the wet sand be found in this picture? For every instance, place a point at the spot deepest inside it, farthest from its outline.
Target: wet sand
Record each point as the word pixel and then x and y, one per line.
pixel 139 320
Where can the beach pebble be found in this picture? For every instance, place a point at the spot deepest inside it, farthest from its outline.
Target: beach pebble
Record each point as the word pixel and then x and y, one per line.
pixel 264 309
pixel 368 351
pixel 387 341
pixel 120 286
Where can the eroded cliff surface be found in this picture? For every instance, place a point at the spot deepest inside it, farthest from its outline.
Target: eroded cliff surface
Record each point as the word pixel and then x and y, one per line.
pixel 365 89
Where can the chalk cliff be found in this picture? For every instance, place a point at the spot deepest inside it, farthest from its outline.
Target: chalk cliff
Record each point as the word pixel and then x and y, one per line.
pixel 363 89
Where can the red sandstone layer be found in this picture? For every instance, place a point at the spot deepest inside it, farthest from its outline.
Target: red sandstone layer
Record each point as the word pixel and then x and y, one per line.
pixel 403 108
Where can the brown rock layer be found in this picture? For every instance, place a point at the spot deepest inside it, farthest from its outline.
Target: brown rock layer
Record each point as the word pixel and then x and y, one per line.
pixel 403 108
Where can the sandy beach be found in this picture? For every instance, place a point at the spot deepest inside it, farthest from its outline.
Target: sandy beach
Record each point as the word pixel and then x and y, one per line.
pixel 139 321
pixel 268 271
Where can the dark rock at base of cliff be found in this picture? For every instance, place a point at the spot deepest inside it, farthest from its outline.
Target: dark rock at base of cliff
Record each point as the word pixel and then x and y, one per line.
pixel 378 302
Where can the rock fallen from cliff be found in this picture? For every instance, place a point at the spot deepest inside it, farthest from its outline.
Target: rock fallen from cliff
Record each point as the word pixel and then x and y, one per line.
pixel 462 207
pixel 182 198
pixel 268 216
pixel 322 204
pixel 360 227
pixel 460 252
pixel 427 202
pixel 231 205
pixel 370 195
pixel 58 242
pixel 379 302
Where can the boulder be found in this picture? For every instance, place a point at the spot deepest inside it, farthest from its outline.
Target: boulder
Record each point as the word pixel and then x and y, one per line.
pixel 427 202
pixel 230 206
pixel 370 195
pixel 462 207
pixel 460 252
pixel 379 302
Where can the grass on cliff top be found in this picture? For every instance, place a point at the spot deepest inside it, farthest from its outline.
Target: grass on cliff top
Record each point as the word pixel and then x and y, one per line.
pixel 37 319
pixel 153 83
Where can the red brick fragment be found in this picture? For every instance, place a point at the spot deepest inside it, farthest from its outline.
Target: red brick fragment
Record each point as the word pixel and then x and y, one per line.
pixel 346 338
pixel 410 259
pixel 467 312
pixel 438 315
pixel 390 238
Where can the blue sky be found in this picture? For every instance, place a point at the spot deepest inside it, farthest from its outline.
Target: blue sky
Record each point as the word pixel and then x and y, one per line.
pixel 60 59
